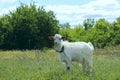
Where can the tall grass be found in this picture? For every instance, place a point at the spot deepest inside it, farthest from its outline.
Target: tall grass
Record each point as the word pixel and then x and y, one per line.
pixel 45 65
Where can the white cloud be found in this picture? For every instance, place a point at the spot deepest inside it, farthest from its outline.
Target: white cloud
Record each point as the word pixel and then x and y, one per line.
pixel 6 1
pixel 76 14
pixel 67 13
pixel 5 6
pixel 7 10
pixel 96 9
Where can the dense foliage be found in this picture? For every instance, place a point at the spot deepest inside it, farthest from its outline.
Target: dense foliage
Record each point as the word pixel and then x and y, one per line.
pixel 101 33
pixel 27 28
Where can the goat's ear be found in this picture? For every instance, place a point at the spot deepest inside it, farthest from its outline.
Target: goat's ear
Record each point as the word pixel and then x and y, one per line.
pixel 62 37
pixel 51 37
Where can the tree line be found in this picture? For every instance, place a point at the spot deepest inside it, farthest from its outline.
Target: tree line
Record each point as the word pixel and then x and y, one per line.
pixel 28 27
pixel 101 33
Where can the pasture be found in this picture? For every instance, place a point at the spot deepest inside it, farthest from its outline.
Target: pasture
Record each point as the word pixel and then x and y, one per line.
pixel 45 65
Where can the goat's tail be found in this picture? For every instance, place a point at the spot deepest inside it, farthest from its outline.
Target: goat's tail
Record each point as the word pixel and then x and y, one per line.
pixel 91 46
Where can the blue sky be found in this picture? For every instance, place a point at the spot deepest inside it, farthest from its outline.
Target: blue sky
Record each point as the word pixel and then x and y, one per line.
pixel 72 11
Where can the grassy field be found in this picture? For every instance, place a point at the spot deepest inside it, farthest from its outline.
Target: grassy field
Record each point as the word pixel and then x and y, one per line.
pixel 45 65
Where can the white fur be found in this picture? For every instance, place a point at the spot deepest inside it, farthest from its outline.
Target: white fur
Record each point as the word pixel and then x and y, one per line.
pixel 75 51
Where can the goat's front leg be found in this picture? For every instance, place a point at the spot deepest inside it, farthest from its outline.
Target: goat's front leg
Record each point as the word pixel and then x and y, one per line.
pixel 84 66
pixel 67 65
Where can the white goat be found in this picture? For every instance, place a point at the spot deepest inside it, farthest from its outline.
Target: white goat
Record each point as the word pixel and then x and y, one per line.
pixel 74 51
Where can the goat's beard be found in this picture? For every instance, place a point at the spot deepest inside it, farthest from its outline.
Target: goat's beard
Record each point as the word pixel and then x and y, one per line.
pixel 56 46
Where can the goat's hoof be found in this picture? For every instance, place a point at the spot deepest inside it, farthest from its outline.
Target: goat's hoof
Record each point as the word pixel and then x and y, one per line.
pixel 68 68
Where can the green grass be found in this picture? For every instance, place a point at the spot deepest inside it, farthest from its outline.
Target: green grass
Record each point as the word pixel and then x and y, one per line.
pixel 45 65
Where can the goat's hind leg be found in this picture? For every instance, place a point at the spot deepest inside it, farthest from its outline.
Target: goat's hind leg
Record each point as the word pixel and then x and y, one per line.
pixel 90 68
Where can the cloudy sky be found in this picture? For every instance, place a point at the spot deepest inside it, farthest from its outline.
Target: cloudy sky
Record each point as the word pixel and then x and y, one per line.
pixel 72 11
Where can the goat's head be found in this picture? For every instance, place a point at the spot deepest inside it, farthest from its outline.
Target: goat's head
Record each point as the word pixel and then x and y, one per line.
pixel 57 39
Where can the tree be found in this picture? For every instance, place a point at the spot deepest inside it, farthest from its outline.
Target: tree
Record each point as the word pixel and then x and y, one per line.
pixel 88 23
pixel 31 27
pixel 5 31
pixel 64 30
pixel 115 32
pixel 102 29
pixel 64 25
